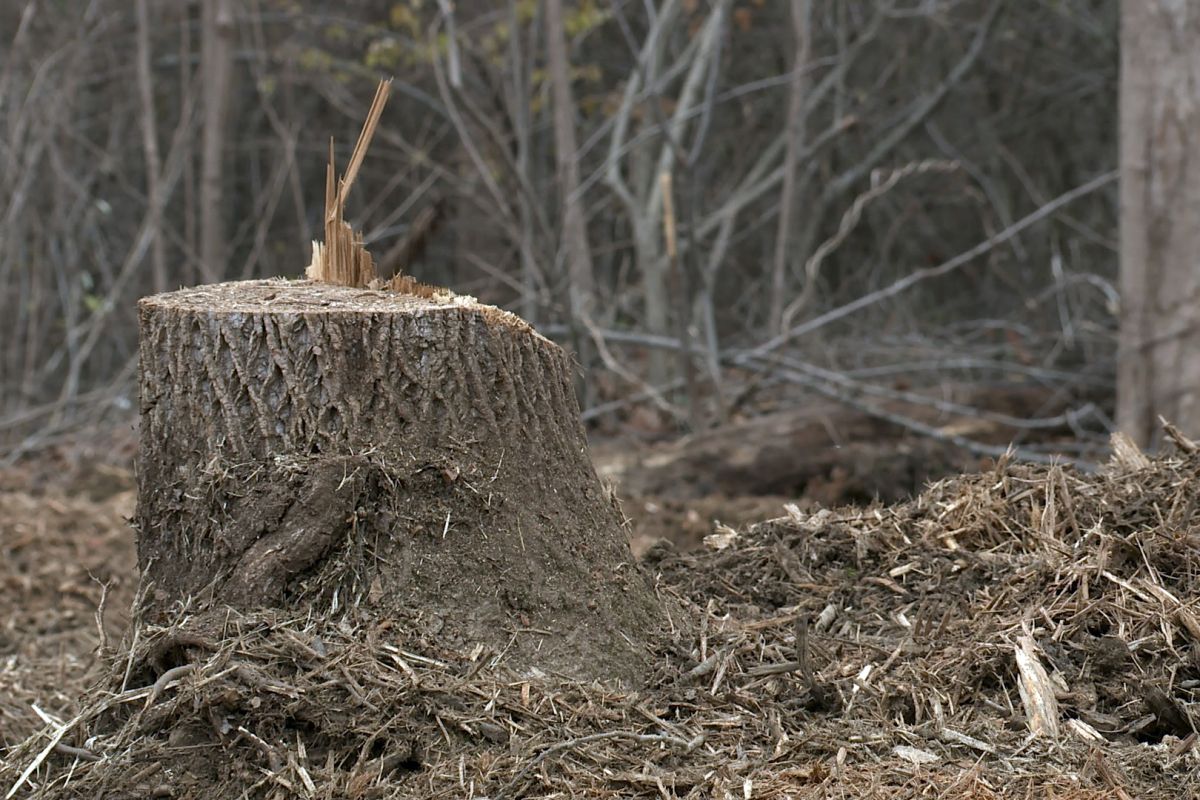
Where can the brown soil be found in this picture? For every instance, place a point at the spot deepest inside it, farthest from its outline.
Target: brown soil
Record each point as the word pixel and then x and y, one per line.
pixel 846 653
pixel 59 556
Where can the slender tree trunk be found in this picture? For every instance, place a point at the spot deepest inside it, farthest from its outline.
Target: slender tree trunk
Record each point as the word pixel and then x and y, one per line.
pixel 581 282
pixel 522 134
pixel 150 148
pixel 796 128
pixel 191 242
pixel 659 299
pixel 216 62
pixel 1159 357
pixel 647 247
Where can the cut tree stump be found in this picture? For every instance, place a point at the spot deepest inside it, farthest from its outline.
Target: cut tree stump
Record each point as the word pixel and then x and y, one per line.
pixel 417 458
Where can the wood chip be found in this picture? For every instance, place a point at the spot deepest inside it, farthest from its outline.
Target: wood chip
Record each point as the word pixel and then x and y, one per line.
pixel 915 755
pixel 1037 691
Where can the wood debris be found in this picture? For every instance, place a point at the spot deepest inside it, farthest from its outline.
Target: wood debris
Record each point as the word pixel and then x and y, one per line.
pixel 342 259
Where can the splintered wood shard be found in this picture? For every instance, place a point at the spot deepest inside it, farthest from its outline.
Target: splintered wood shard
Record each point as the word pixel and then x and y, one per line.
pixel 1037 690
pixel 342 259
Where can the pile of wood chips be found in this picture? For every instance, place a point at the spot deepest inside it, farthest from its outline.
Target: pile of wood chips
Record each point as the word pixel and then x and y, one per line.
pixel 1025 632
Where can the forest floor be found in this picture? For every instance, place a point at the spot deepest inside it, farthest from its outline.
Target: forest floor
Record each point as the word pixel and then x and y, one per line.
pixel 902 650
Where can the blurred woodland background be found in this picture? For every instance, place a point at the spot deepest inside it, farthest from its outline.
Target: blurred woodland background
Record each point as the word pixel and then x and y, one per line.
pixel 722 206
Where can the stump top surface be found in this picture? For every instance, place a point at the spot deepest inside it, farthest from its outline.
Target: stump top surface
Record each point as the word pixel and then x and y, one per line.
pixel 280 295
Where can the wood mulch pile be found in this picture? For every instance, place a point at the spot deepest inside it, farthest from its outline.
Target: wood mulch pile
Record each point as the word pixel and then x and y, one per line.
pixel 893 651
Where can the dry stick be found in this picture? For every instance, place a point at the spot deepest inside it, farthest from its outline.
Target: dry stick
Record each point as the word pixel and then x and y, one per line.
pixel 465 137
pixel 747 356
pixel 680 296
pixel 970 445
pixel 651 393
pixel 645 207
pixel 455 63
pixel 746 360
pixel 14 46
pixel 802 652
pixel 800 664
pixel 288 135
pixel 1175 435
pixel 575 249
pixel 920 275
pixel 797 125
pixel 1110 776
pixel 64 424
pixel 527 209
pixel 400 258
pixel 103 634
pixel 216 68
pixel 342 260
pixel 687 746
pixel 139 596
pixel 364 138
pixel 921 108
pixel 150 145
pixel 55 738
pixel 1037 692
pixel 618 123
pixel 92 330
pixel 614 366
pixel 857 387
pixel 83 754
pixel 849 221
pixel 55 743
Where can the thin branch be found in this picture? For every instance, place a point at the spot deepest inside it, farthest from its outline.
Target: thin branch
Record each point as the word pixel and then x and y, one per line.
pixel 656 738
pixel 849 220
pixel 797 125
pixel 446 7
pixel 150 146
pixel 908 281
pixel 921 108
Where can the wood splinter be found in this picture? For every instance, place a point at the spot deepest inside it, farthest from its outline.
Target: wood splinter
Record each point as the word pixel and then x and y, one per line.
pixel 342 259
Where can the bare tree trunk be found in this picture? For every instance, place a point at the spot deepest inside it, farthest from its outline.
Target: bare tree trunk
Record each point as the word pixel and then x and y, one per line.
pixel 1159 356
pixel 581 282
pixel 522 134
pixel 216 62
pixel 191 241
pixel 150 148
pixel 796 128
pixel 680 293
pixel 647 246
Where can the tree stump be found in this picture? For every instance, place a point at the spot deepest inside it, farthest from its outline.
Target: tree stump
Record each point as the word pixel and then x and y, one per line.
pixel 416 458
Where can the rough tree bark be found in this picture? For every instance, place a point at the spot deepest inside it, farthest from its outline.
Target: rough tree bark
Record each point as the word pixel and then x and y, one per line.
pixel 1159 355
pixel 418 458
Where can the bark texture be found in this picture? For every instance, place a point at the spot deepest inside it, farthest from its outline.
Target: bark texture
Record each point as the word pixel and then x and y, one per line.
pixel 416 458
pixel 1159 359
